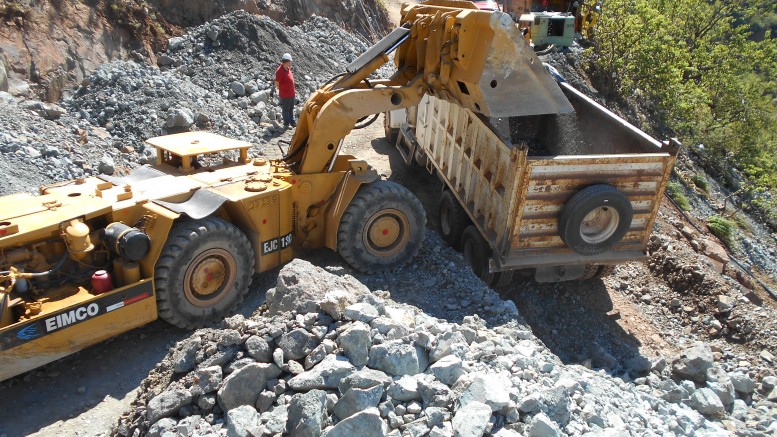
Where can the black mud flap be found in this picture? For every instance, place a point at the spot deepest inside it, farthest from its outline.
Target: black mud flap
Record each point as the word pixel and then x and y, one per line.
pixel 202 204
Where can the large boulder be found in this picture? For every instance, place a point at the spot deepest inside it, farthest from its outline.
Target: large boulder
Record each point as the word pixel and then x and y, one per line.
pixel 355 342
pixel 307 414
pixel 297 344
pixel 492 389
pixel 355 400
pixel 471 420
pixel 302 287
pixel 325 375
pixel 243 421
pixel 398 358
pixel 694 362
pixel 706 402
pixel 167 404
pixel 243 386
pixel 364 424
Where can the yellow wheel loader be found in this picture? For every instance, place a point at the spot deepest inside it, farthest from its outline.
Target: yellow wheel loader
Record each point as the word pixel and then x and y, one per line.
pixel 91 258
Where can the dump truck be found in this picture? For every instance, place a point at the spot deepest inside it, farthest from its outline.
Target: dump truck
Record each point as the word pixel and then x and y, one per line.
pixel 181 240
pixel 562 196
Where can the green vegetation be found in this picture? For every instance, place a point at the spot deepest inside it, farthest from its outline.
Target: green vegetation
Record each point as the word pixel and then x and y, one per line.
pixel 723 229
pixel 705 71
pixel 675 191
pixel 701 182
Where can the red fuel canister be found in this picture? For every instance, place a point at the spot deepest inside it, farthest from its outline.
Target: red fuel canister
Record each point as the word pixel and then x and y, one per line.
pixel 101 282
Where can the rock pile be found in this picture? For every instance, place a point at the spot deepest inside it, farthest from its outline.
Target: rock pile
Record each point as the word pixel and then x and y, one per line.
pixel 329 357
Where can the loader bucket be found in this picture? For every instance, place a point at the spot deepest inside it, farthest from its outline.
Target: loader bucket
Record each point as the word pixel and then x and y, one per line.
pixel 488 68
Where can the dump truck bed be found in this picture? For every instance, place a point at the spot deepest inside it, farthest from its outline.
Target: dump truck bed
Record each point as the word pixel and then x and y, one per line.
pixel 514 176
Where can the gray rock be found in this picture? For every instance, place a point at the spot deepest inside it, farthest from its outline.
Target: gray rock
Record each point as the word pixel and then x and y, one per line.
pixel 435 416
pixel 449 343
pixel 3 77
pixel 693 362
pixel 206 402
pixel 364 378
pixel 706 402
pixel 435 393
pixel 265 401
pixel 175 43
pixel 315 356
pixel 325 375
pixel 163 425
pixel 492 389
pixel 179 117
pixel 471 420
pixel 361 311
pixel 301 286
pixel 164 60
pixel 639 364
pixel 213 33
pixel 365 424
pixel 448 369
pixel 355 342
pixel 276 419
pixel 355 400
pixel 238 88
pixel 742 383
pixel 167 404
pixel 243 421
pixel 404 389
pixel 397 358
pixel 297 344
pixel 542 426
pixel 184 358
pixel 725 303
pixel 444 430
pixel 243 386
pixel 52 111
pixel 768 383
pixel 207 380
pixel 259 349
pixel 307 413
pixel 107 165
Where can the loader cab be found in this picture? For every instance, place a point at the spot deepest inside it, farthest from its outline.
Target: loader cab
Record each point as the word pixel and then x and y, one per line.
pixel 191 151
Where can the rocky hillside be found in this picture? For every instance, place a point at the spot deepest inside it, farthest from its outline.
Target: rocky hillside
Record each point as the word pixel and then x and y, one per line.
pixel 48 47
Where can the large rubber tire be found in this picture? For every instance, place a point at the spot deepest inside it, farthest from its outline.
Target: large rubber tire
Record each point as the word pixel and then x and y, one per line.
pixel 391 132
pixel 595 219
pixel 453 219
pixel 477 252
pixel 382 229
pixel 203 272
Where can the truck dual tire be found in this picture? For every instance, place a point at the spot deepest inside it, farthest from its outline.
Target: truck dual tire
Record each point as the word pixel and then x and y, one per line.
pixel 595 219
pixel 382 228
pixel 203 272
pixel 453 219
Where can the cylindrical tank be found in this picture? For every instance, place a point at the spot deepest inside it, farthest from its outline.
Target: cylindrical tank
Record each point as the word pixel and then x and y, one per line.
pixel 131 271
pixel 101 282
pixel 125 241
pixel 118 272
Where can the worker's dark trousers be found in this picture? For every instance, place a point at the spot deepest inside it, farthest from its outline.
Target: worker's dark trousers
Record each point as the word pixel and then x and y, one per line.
pixel 287 107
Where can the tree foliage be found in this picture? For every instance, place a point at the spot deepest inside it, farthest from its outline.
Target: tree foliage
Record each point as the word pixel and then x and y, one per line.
pixel 698 69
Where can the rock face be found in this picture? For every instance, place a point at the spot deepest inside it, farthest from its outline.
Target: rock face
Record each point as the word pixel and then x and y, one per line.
pixel 242 387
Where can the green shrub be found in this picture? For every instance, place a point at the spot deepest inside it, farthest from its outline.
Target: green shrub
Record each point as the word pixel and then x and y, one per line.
pixel 701 182
pixel 723 229
pixel 675 191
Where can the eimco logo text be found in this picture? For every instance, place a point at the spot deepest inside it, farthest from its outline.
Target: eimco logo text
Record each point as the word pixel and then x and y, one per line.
pixel 77 315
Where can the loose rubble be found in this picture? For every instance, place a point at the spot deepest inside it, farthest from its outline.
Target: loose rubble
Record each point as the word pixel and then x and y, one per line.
pixel 422 376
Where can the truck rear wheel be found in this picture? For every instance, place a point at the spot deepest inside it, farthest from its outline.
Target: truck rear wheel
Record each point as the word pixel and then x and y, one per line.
pixel 203 272
pixel 595 219
pixel 453 219
pixel 597 271
pixel 382 229
pixel 476 252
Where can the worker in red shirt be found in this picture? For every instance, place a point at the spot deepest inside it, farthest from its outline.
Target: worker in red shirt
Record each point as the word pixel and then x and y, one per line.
pixel 284 83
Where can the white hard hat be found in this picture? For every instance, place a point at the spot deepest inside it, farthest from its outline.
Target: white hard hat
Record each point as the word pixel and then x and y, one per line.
pixel 286 57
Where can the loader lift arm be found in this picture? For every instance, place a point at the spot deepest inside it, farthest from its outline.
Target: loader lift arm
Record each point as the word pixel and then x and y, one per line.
pixel 450 49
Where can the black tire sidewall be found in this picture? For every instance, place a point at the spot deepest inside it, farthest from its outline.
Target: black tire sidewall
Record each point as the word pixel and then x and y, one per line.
pixel 369 201
pixel 457 219
pixel 581 204
pixel 480 255
pixel 188 240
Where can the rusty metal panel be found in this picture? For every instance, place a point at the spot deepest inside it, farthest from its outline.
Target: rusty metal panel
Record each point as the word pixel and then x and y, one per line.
pixel 515 199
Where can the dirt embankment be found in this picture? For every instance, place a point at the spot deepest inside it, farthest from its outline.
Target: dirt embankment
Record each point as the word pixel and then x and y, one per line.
pixel 47 48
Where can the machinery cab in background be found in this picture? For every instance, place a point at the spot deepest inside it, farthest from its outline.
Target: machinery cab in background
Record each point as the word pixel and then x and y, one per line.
pixel 548 28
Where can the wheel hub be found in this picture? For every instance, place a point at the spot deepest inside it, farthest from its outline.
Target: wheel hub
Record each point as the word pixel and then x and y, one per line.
pixel 599 225
pixel 386 232
pixel 208 276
